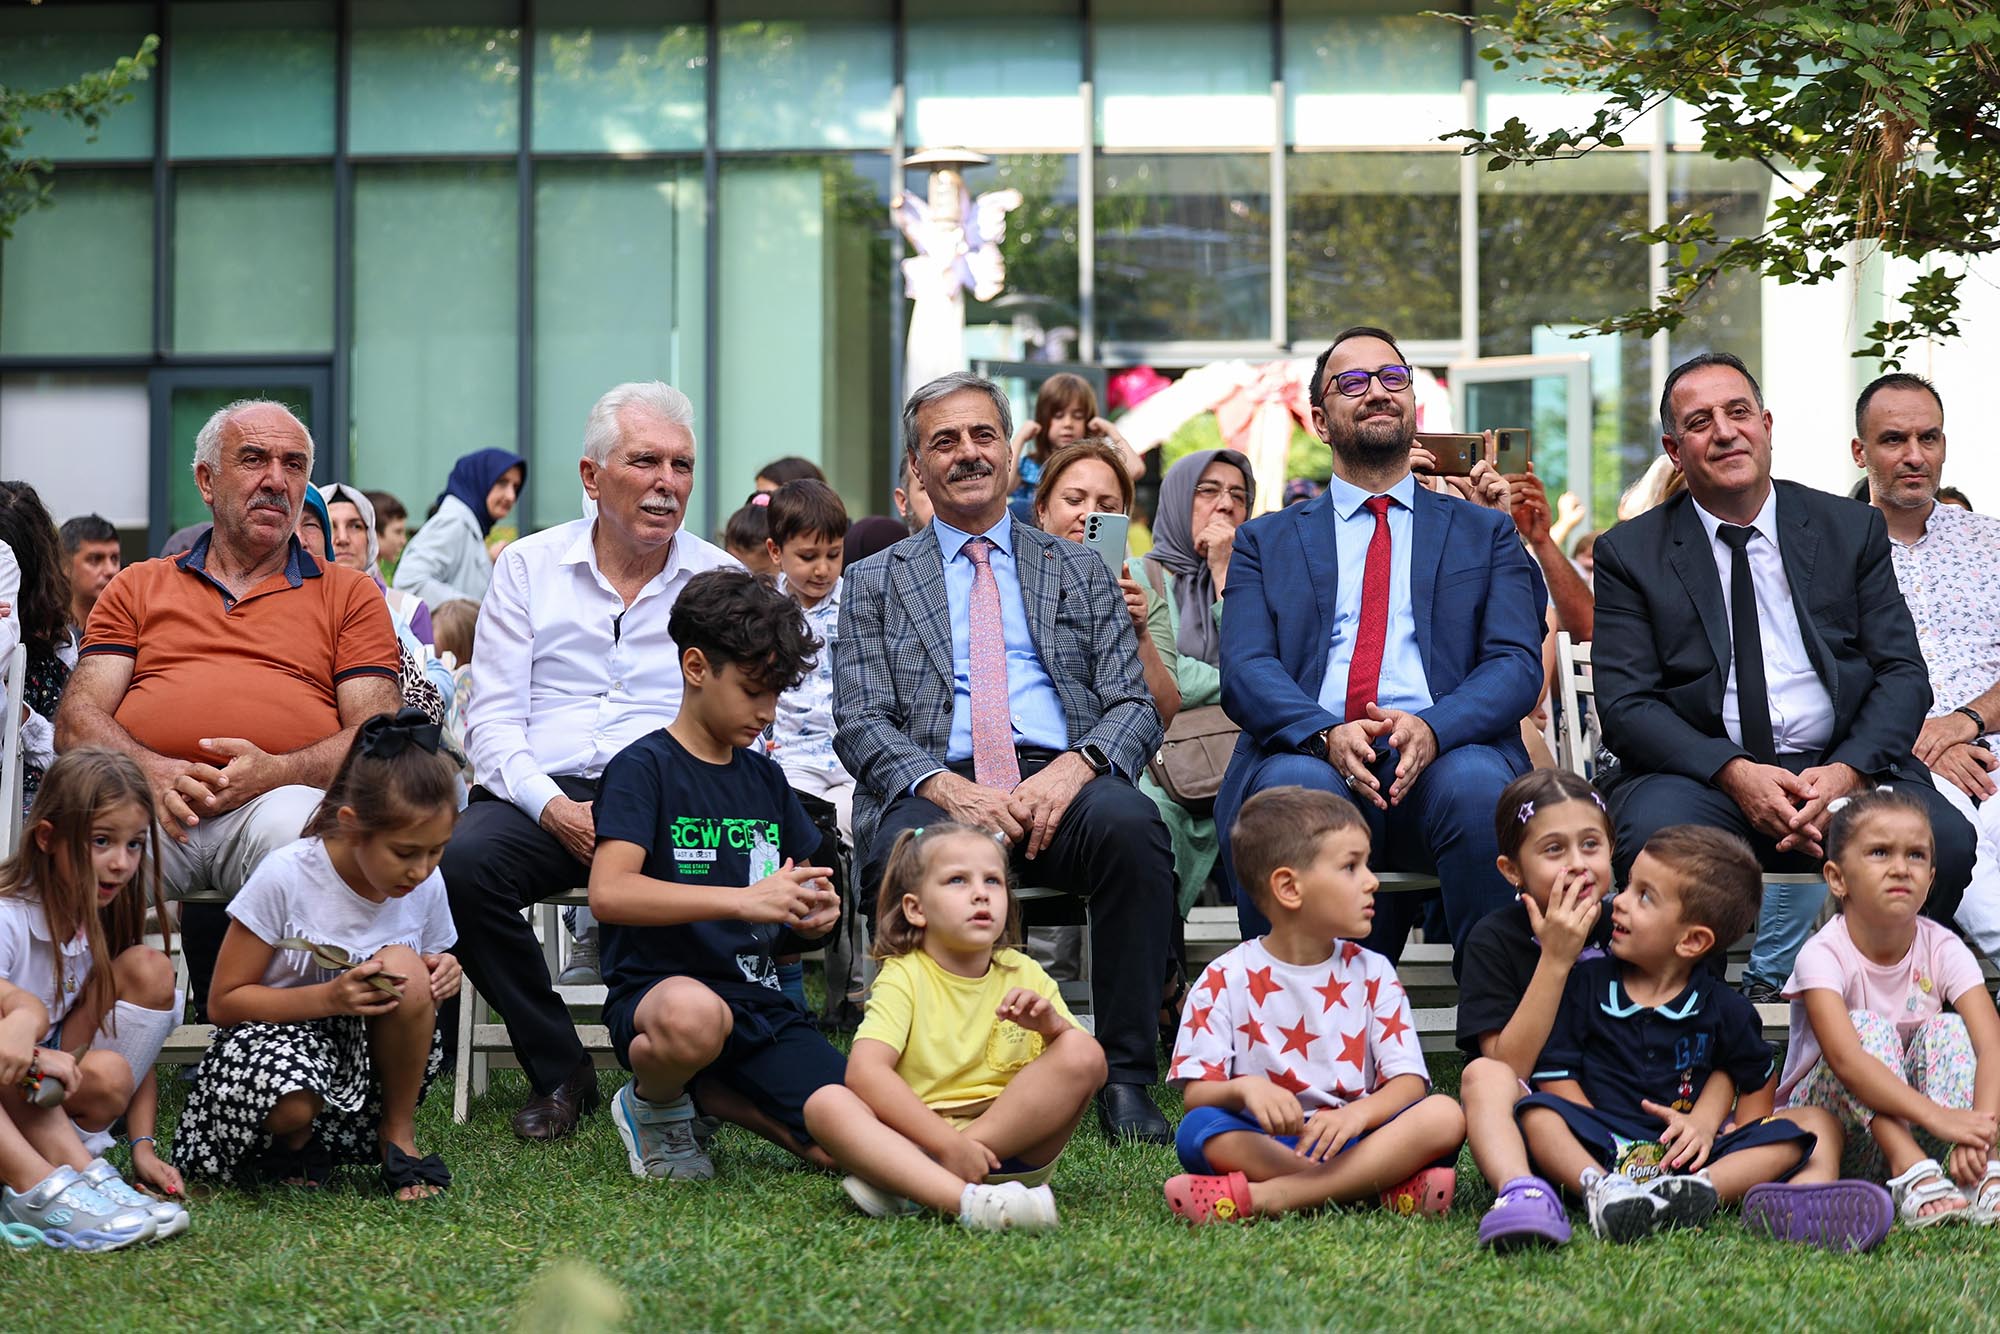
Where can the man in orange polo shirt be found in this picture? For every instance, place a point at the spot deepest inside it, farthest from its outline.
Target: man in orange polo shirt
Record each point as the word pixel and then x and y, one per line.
pixel 235 673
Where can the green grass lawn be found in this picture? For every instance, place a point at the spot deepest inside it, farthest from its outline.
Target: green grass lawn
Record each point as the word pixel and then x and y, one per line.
pixel 773 1243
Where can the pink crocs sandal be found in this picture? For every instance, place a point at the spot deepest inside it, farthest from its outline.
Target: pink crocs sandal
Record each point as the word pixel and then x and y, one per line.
pixel 1217 1199
pixel 1428 1192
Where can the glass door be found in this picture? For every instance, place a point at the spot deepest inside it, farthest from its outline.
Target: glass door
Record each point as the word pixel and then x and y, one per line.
pixel 1551 397
pixel 183 399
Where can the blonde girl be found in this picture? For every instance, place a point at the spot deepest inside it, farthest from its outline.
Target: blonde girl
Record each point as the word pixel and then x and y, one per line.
pixel 968 1074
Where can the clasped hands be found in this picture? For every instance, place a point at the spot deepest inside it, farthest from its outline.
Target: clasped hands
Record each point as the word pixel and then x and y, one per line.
pixel 1351 748
pixel 1789 807
pixel 187 790
pixel 1033 810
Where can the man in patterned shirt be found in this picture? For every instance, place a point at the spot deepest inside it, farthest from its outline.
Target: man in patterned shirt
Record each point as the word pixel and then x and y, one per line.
pixel 1945 560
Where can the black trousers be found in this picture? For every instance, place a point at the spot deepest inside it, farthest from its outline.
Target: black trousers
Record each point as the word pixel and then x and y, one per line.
pixel 1643 804
pixel 498 862
pixel 1112 850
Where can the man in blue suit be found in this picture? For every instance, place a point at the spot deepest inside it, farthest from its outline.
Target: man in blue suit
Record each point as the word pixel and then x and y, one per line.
pixel 1384 641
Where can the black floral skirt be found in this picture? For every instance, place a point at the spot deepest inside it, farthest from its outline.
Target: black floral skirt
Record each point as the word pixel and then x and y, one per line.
pixel 250 1066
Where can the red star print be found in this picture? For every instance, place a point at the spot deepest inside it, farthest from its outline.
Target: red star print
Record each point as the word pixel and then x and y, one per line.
pixel 1393 1025
pixel 1253 1030
pixel 1373 986
pixel 1349 951
pixel 1299 1039
pixel 1215 979
pixel 1260 983
pixel 1289 1082
pixel 1354 1046
pixel 1213 1070
pixel 1197 1020
pixel 1334 992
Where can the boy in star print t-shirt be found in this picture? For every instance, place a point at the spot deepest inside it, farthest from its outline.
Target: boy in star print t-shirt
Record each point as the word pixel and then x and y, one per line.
pixel 1296 1055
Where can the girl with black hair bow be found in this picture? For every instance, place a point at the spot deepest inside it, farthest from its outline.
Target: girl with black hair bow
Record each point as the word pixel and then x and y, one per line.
pixel 329 982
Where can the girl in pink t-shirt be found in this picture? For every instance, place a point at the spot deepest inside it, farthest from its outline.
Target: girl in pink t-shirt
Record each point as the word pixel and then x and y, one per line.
pixel 1872 1040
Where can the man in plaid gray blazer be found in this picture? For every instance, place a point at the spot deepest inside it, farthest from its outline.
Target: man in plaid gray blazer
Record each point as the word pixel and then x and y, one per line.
pixel 1082 720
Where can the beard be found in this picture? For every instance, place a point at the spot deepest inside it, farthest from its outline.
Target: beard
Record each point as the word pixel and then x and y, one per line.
pixel 1371 444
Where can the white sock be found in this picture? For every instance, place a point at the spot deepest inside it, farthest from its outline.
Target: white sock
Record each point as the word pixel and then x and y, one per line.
pixel 965 1198
pixel 137 1034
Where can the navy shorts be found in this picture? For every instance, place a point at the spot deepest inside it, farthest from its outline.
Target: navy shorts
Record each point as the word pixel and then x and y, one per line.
pixel 1202 1124
pixel 1623 1145
pixel 773 1055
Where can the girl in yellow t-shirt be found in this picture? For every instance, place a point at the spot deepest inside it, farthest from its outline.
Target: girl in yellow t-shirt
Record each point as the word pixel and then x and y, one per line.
pixel 968 1062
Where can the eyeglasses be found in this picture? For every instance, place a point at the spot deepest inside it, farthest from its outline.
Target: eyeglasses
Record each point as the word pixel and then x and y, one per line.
pixel 1212 490
pixel 1353 384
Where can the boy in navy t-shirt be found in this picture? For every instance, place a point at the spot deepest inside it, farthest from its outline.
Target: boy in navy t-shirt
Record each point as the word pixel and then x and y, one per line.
pixel 1647 1060
pixel 702 875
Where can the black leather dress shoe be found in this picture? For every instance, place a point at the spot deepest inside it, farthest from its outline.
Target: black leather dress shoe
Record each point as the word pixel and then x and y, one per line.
pixel 1127 1113
pixel 554 1115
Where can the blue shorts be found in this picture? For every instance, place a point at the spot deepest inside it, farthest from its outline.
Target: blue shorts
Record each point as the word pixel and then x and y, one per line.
pixel 773 1055
pixel 1202 1124
pixel 1632 1146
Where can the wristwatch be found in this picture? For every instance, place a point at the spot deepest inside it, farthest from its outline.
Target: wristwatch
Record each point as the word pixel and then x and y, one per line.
pixel 1978 723
pixel 1094 756
pixel 1314 745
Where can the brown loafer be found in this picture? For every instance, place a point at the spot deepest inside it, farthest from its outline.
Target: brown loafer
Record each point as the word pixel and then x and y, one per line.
pixel 554 1115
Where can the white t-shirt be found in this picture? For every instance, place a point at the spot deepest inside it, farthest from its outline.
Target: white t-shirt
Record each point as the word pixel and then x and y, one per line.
pixel 31 961
pixel 1330 1032
pixel 296 892
pixel 1935 973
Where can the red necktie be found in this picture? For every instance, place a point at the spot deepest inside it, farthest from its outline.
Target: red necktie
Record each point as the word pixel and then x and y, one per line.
pixel 1364 671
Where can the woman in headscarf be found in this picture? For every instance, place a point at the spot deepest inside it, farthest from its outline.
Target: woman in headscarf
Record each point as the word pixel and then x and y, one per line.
pixel 448 558
pixel 351 526
pixel 1203 497
pixel 426 683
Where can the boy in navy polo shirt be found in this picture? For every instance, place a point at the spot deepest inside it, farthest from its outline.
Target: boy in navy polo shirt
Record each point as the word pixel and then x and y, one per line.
pixel 701 877
pixel 1649 1051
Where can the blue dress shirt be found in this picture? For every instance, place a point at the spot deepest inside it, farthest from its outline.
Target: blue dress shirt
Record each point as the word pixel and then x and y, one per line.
pixel 1402 684
pixel 1032 701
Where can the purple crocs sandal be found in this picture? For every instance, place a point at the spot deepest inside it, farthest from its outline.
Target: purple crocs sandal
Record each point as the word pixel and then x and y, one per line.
pixel 1527 1213
pixel 1838 1215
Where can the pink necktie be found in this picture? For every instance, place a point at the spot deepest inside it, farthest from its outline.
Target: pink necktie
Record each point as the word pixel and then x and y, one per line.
pixel 994 763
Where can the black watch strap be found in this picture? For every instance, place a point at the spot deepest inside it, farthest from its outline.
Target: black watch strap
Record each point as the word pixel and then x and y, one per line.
pixel 1314 745
pixel 1973 714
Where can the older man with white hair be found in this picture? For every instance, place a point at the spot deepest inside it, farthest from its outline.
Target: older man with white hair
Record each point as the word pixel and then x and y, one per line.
pixel 236 672
pixel 574 663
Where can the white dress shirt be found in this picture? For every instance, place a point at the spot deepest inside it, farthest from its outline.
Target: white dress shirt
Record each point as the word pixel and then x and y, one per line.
pixel 565 675
pixel 1801 709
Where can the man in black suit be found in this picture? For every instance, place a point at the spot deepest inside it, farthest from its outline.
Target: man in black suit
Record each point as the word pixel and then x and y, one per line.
pixel 1754 659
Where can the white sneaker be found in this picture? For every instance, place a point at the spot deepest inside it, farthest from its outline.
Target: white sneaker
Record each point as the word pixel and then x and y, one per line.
pixel 1007 1207
pixel 170 1218
pixel 1686 1200
pixel 1620 1211
pixel 876 1202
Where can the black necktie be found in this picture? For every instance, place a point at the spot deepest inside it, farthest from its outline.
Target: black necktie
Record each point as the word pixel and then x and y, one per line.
pixel 1753 697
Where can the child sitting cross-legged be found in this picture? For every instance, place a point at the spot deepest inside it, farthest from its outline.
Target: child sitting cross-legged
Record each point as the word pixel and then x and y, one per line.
pixel 1871 1037
pixel 968 1075
pixel 1296 1054
pixel 1649 1053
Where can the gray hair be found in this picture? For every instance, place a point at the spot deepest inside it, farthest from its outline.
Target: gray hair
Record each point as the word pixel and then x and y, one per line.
pixel 601 431
pixel 208 440
pixel 944 387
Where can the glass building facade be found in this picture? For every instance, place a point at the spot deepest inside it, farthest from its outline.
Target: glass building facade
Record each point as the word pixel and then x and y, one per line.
pixel 438 225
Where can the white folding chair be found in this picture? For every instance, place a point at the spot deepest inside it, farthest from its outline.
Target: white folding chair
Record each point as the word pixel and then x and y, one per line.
pixel 1576 700
pixel 12 762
